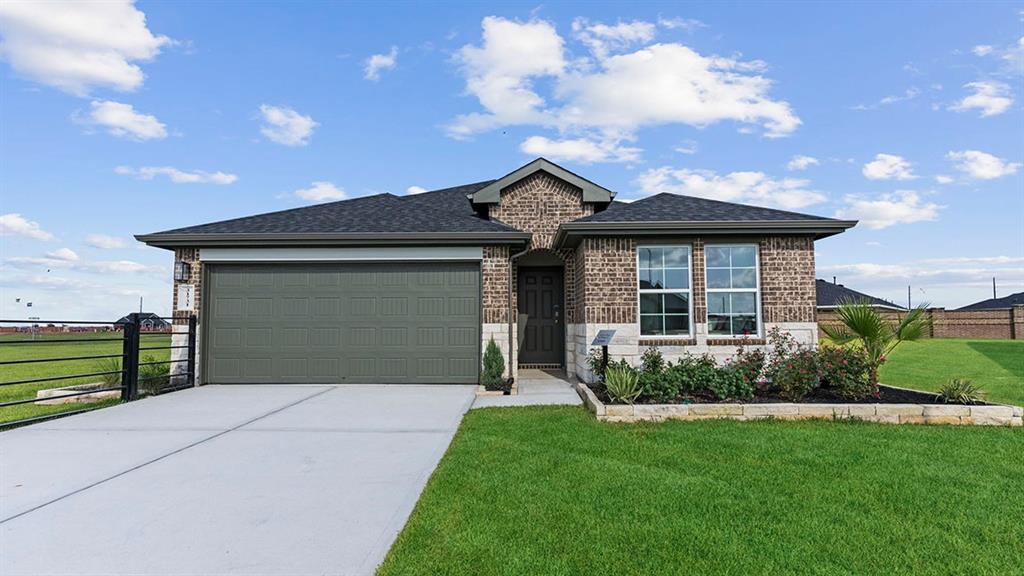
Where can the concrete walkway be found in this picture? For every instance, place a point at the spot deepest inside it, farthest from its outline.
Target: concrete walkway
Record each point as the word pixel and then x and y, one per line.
pixel 224 480
pixel 536 388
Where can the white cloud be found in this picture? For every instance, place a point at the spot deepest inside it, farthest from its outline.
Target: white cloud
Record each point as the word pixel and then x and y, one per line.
pixel 678 23
pixel 753 187
pixel 982 50
pixel 123 121
pixel 580 150
pixel 943 179
pixel 415 190
pixel 286 126
pixel 63 254
pixel 908 94
pixel 602 39
pixel 888 167
pixel 104 242
pixel 76 46
pixel 378 62
pixel 801 162
pixel 687 147
pixel 981 165
pixel 52 260
pixel 16 224
pixel 177 176
pixel 990 97
pixel 321 192
pixel 616 95
pixel 900 207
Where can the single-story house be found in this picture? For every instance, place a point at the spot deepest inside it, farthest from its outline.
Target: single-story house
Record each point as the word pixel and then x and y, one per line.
pixel 148 321
pixel 831 295
pixel 997 303
pixel 410 289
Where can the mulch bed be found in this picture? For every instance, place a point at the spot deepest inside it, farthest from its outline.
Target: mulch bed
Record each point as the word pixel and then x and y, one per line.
pixel 887 395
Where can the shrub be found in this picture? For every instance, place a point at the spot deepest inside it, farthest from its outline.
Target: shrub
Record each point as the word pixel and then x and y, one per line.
pixel 659 388
pixel 796 375
pixel 153 377
pixel 494 368
pixel 595 361
pixel 750 365
pixel 961 391
pixel 652 361
pixel 847 371
pixel 622 383
pixel 109 365
pixel 728 382
pixel 692 374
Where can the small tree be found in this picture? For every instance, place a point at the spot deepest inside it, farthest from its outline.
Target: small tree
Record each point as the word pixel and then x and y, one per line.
pixel 878 337
pixel 494 367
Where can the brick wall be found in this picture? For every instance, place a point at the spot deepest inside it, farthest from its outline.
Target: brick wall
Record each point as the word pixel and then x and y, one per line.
pixel 190 255
pixel 1001 323
pixel 787 279
pixel 495 283
pixel 539 204
pixel 609 280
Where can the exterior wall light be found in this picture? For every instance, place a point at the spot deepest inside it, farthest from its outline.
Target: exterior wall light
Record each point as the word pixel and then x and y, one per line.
pixel 182 271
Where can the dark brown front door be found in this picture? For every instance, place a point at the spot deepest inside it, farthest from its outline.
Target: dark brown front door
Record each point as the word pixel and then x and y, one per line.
pixel 540 298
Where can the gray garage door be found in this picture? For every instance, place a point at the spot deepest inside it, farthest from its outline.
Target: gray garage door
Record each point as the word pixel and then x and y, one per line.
pixel 338 323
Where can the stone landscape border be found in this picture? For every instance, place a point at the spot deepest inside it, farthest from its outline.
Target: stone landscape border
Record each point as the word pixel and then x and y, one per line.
pixel 960 414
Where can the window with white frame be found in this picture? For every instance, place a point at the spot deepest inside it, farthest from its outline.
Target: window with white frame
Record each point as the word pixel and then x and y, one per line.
pixel 732 289
pixel 663 281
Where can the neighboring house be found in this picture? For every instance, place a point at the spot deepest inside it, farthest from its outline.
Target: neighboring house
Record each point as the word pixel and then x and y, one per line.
pixel 832 295
pixel 997 303
pixel 148 322
pixel 409 289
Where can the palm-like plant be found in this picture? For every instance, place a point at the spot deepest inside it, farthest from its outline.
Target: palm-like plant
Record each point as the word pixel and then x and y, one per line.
pixel 862 324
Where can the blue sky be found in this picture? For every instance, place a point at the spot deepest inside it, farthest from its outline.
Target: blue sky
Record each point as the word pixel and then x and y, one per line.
pixel 118 119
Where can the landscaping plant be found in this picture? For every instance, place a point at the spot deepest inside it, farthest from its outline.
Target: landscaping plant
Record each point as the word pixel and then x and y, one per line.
pixel 961 391
pixel 595 361
pixel 494 368
pixel 112 365
pixel 878 337
pixel 153 377
pixel 847 371
pixel 622 383
pixel 796 376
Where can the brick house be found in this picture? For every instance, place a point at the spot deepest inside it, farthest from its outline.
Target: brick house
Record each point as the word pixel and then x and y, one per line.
pixel 410 289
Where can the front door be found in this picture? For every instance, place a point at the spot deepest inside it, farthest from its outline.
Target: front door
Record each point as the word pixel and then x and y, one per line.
pixel 540 299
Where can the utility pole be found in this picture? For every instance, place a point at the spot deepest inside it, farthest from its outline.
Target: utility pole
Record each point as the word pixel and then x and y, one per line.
pixel 908 296
pixel 993 287
pixel 140 304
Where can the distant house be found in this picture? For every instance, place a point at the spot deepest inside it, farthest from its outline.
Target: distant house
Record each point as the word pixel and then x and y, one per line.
pixel 148 322
pixel 997 303
pixel 831 295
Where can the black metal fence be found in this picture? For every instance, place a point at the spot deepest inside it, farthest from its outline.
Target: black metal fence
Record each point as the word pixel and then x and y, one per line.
pixel 134 372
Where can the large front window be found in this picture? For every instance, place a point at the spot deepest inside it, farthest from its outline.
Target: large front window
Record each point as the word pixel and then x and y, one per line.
pixel 732 290
pixel 664 286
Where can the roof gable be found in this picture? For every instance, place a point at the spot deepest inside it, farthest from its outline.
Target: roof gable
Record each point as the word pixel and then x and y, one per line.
pixel 666 207
pixel 592 192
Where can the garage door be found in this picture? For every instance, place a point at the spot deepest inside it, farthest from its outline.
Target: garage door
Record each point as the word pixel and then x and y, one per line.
pixel 337 323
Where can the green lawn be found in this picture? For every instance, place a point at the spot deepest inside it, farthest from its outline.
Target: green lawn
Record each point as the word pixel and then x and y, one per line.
pixel 86 344
pixel 549 490
pixel 997 365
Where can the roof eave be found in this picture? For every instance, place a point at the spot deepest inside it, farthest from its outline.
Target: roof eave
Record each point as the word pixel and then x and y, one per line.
pixel 569 233
pixel 171 241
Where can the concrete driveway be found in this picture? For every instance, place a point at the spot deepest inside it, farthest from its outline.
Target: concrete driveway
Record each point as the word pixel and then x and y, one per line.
pixel 224 480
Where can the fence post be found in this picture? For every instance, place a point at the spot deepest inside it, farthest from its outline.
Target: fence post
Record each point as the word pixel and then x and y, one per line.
pixel 191 364
pixel 130 359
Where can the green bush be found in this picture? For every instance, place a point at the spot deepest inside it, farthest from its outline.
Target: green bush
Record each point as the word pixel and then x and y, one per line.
pixel 595 361
pixel 652 362
pixel 153 377
pixel 961 391
pixel 692 374
pixel 847 371
pixel 494 368
pixel 796 375
pixel 750 365
pixel 622 383
pixel 109 365
pixel 659 388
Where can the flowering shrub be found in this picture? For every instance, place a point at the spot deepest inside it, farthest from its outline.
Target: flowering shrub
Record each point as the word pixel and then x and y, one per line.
pixel 750 365
pixel 847 371
pixel 796 375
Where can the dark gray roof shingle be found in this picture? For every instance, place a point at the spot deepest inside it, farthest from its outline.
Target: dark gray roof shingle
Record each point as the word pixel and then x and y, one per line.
pixel 446 210
pixel 666 207
pixel 830 295
pixel 992 303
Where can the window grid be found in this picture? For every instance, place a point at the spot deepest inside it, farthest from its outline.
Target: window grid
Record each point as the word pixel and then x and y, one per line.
pixel 665 323
pixel 733 311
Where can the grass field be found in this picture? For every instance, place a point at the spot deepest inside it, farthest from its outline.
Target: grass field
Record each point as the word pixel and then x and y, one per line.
pixel 86 344
pixel 997 365
pixel 549 490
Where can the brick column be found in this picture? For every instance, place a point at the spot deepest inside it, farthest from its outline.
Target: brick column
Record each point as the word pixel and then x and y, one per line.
pixel 1017 322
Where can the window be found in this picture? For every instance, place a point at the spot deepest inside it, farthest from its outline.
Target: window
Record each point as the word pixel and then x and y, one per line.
pixel 732 289
pixel 664 286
